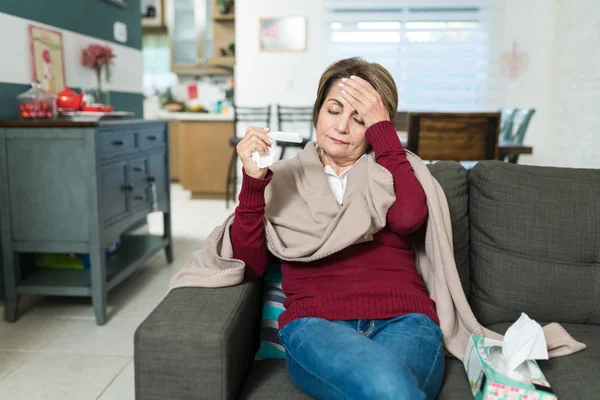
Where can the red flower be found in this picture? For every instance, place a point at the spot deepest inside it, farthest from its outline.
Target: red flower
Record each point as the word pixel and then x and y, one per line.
pixel 96 56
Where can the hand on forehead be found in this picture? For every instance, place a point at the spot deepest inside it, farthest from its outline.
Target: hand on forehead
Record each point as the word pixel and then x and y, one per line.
pixel 336 93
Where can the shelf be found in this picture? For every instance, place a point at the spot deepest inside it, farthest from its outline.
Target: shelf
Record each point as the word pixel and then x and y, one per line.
pixel 153 28
pixel 222 61
pixel 135 251
pixel 224 17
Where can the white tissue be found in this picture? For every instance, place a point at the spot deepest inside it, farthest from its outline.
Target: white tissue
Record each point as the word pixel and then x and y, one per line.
pixel 269 159
pixel 264 161
pixel 524 340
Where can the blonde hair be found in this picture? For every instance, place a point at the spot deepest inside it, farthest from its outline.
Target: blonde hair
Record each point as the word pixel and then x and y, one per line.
pixel 375 74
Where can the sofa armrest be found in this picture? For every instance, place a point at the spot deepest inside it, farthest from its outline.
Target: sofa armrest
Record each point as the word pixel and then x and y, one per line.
pixel 198 343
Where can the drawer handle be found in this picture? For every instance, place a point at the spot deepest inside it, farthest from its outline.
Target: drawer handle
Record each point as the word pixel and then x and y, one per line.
pixel 127 187
pixel 151 137
pixel 117 143
pixel 151 179
pixel 138 169
pixel 139 198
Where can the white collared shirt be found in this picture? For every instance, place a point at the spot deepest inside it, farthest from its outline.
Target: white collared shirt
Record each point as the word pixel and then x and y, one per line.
pixel 338 182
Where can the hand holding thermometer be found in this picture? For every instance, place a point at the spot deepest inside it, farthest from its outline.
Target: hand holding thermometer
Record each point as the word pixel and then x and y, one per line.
pixel 269 159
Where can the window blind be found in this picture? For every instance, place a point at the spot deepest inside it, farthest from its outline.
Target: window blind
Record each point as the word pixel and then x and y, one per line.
pixel 442 54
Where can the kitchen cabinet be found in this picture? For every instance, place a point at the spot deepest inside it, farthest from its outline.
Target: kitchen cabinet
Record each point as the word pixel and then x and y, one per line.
pixel 153 15
pixel 74 187
pixel 174 150
pixel 204 153
pixel 197 34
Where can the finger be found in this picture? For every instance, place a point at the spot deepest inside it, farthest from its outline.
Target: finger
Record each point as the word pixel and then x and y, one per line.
pixel 258 144
pixel 364 87
pixel 262 133
pixel 362 83
pixel 261 148
pixel 354 93
pixel 357 105
pixel 252 129
pixel 252 145
pixel 263 137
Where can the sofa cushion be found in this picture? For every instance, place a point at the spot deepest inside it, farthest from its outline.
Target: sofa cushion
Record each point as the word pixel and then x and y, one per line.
pixel 453 179
pixel 456 384
pixel 535 243
pixel 269 379
pixel 574 376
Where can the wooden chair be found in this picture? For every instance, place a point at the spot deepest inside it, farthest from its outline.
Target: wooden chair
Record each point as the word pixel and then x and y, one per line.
pixel 513 127
pixel 454 136
pixel 259 116
pixel 289 118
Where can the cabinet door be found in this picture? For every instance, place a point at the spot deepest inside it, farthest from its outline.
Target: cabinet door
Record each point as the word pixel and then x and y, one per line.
pixel 205 156
pixel 114 192
pixel 189 37
pixel 157 164
pixel 174 150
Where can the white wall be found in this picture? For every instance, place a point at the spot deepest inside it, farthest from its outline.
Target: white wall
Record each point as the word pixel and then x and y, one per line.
pixel 15 64
pixel 562 79
pixel 531 24
pixel 269 77
pixel 575 113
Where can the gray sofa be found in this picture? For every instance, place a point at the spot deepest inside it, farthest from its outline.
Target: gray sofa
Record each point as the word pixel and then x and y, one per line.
pixel 525 239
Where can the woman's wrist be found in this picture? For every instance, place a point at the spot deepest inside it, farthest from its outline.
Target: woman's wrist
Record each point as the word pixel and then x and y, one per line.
pixel 383 137
pixel 261 174
pixel 252 193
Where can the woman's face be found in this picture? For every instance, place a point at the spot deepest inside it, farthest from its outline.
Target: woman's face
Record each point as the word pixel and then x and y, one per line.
pixel 340 130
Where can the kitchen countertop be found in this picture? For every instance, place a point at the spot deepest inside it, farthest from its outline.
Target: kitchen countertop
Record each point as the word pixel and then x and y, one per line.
pixel 66 123
pixel 189 116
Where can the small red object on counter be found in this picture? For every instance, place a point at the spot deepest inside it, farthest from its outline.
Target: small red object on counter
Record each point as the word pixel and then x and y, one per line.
pixel 68 100
pixel 37 103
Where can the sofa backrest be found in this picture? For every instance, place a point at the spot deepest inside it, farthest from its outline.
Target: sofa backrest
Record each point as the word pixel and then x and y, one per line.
pixel 535 243
pixel 453 178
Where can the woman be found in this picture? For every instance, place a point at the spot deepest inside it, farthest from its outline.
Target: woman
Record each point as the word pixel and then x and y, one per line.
pixel 358 323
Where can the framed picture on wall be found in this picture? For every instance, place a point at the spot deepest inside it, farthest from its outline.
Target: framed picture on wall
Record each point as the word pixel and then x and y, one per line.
pixel 47 58
pixel 282 34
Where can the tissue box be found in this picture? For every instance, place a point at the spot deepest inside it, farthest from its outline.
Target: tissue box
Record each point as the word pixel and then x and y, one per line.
pixel 487 383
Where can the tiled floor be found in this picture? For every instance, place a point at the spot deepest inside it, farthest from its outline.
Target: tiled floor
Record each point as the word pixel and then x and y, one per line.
pixel 56 350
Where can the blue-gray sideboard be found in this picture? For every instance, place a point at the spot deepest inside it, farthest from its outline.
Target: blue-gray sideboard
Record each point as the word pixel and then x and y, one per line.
pixel 75 187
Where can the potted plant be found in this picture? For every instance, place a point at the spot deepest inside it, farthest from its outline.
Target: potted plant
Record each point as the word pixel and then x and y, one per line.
pixel 224 6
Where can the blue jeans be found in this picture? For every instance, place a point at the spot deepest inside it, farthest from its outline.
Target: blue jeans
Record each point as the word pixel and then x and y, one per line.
pixel 399 358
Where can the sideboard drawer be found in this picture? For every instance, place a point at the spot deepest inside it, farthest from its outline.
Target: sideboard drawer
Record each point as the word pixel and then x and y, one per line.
pixel 112 144
pixel 148 138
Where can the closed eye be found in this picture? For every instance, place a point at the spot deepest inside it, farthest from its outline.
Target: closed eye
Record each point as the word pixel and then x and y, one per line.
pixel 333 112
pixel 358 121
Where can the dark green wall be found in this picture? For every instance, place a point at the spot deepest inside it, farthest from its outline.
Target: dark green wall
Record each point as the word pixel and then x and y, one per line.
pixel 89 17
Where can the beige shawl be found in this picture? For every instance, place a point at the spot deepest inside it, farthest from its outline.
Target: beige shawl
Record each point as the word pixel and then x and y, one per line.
pixel 304 222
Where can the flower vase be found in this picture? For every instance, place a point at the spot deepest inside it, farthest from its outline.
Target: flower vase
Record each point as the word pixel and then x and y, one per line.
pixel 99 96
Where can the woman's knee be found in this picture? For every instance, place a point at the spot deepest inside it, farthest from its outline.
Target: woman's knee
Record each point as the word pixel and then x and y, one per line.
pixel 390 383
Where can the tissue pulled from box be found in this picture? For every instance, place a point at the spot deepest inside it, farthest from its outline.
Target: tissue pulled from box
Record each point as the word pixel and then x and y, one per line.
pixel 524 340
pixel 264 161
